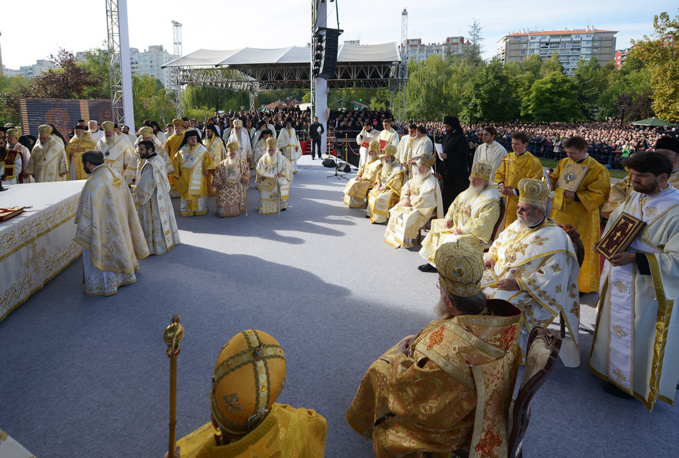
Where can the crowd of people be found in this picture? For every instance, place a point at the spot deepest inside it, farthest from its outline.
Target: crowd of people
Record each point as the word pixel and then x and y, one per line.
pixel 513 246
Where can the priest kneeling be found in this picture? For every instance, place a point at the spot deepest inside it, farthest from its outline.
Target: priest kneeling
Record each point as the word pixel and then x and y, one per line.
pixel 108 229
pixel 425 392
pixel 471 217
pixel 249 375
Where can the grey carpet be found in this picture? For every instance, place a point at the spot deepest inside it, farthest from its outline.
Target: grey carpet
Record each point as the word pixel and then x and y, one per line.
pixel 86 376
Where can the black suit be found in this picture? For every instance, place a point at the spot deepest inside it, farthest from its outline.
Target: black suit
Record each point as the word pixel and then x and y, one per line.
pixel 455 168
pixel 315 136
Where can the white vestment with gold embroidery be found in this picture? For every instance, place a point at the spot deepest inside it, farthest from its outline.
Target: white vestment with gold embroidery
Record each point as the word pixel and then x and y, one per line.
pixel 117 154
pixel 152 198
pixel 424 193
pixel 637 336
pixel 476 215
pixel 543 262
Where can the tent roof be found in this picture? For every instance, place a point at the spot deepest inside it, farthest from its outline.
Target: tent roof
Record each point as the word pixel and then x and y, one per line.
pixel 653 122
pixel 294 55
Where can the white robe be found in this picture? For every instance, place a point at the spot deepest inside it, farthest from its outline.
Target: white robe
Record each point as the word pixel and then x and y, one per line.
pixel 490 154
pixel 637 331
pixel 363 140
pixel 543 262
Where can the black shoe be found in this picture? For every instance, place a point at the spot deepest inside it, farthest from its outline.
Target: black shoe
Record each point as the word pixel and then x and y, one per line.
pixel 617 392
pixel 427 268
pixel 283 209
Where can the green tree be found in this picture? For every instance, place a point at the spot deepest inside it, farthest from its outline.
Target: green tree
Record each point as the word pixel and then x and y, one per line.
pixel 492 95
pixel 68 80
pixel 151 100
pixel 552 98
pixel 590 83
pixel 660 53
pixel 13 88
pixel 553 64
pixel 96 62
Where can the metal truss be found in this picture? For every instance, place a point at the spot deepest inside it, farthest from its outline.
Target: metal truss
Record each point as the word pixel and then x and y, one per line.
pixel 115 73
pixel 269 77
pixel 178 90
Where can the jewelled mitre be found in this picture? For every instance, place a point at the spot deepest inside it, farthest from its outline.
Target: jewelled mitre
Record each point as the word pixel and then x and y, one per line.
pixel 481 170
pixel 389 150
pixel 146 132
pixel 16 133
pixel 232 146
pixel 107 125
pixel 426 159
pixel 271 142
pixel 374 145
pixel 238 123
pixel 45 129
pixel 178 122
pixel 249 376
pixel 460 268
pixel 533 192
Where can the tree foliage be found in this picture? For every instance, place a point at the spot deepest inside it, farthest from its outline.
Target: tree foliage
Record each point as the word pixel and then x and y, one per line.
pixel 151 100
pixel 661 54
pixel 68 80
pixel 553 98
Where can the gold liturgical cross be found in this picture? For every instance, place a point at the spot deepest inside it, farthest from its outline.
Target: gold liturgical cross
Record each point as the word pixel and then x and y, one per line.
pixel 34 259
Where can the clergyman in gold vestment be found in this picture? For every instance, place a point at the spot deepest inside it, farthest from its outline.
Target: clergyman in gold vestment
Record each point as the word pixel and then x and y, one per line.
pixel 427 392
pixel 108 229
pixel 246 422
pixel 581 208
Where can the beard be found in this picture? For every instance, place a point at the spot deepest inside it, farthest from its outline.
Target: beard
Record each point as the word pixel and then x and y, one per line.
pixel 440 309
pixel 232 162
pixel 474 191
pixel 109 140
pixel 372 157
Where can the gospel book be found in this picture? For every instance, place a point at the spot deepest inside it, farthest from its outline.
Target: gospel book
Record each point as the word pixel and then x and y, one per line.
pixel 571 177
pixel 9 213
pixel 621 235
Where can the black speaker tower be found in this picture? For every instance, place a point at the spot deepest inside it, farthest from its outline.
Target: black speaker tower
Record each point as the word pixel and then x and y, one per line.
pixel 325 52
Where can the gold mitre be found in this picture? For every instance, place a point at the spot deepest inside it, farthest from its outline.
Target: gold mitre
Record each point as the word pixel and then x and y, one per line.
pixel 238 123
pixel 533 192
pixel 389 150
pixel 107 125
pixel 481 170
pixel 249 375
pixel 178 122
pixel 427 160
pixel 374 145
pixel 146 132
pixel 460 268
pixel 271 142
pixel 232 146
pixel 45 129
pixel 16 133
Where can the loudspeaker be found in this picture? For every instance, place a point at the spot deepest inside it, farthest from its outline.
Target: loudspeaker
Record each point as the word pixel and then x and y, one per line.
pixel 329 58
pixel 328 162
pixel 344 167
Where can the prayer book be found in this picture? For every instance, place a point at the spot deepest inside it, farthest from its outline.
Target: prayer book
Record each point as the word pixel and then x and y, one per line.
pixel 621 235
pixel 9 213
pixel 571 177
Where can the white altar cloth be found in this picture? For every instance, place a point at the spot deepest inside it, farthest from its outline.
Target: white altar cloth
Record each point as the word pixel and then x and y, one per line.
pixel 38 244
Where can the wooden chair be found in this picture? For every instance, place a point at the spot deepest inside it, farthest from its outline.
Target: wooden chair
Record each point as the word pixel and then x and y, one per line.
pixel 543 349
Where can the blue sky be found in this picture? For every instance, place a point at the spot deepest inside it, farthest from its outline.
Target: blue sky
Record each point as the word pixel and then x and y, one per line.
pixel 220 24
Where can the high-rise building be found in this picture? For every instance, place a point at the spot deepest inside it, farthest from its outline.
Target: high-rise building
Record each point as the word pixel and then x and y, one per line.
pixel 421 51
pixel 572 45
pixel 148 62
